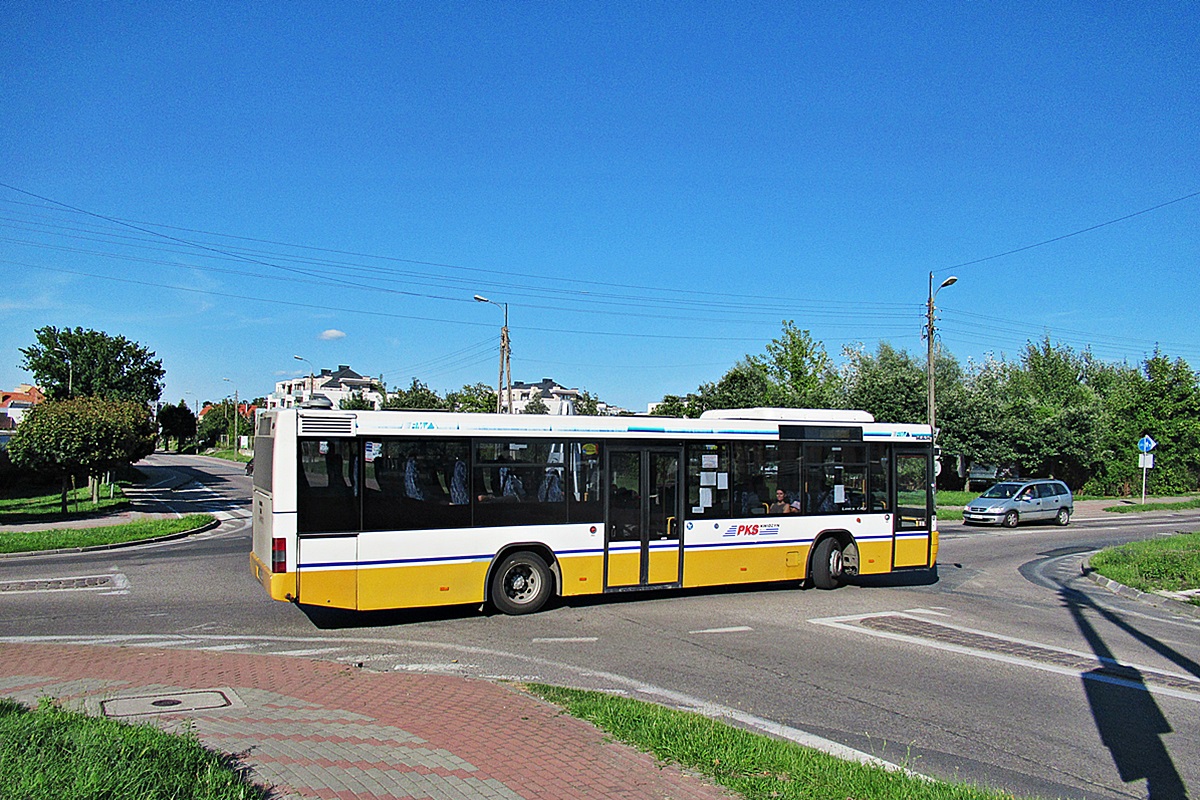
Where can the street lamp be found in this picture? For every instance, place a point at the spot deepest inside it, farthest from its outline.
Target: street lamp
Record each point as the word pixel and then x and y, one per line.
pixel 505 355
pixel 929 332
pixel 310 374
pixel 233 428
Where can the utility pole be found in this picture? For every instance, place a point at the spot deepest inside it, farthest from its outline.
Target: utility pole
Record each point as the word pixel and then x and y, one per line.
pixel 929 334
pixel 505 358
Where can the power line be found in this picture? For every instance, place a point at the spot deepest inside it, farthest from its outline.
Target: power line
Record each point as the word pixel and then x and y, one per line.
pixel 1069 235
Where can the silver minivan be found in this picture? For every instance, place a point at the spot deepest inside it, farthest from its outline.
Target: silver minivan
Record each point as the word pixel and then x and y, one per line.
pixel 1012 502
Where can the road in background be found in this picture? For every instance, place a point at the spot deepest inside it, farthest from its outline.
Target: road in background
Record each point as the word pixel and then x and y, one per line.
pixel 1009 669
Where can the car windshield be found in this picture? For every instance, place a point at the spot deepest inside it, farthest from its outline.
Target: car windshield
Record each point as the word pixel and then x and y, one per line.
pixel 1002 491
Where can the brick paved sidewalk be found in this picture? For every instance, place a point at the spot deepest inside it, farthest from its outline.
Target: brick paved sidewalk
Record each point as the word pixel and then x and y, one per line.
pixel 313 729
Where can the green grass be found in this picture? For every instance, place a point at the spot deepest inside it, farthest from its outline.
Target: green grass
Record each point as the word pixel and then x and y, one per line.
pixel 1134 508
pixel 27 503
pixel 229 455
pixel 1169 563
pixel 950 504
pixel 50 753
pixel 757 767
pixel 62 538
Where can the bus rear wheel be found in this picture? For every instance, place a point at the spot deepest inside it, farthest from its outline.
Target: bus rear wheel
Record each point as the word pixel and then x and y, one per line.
pixel 828 569
pixel 521 584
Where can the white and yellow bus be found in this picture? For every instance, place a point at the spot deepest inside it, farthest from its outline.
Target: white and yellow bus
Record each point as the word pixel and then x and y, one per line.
pixel 406 509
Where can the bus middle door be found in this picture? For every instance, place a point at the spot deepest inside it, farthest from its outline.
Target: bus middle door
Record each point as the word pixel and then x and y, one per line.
pixel 642 516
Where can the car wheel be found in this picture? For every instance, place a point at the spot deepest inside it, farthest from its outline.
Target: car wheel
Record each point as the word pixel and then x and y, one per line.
pixel 521 584
pixel 1010 520
pixel 1063 517
pixel 827 569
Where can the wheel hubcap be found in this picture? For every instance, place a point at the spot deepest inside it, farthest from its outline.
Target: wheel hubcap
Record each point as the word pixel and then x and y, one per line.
pixel 520 585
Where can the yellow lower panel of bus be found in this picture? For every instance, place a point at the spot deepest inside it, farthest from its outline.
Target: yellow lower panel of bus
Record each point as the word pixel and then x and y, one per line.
pixel 912 552
pixel 625 569
pixel 875 558
pixel 421 585
pixel 279 585
pixel 335 588
pixel 664 566
pixel 717 566
pixel 582 575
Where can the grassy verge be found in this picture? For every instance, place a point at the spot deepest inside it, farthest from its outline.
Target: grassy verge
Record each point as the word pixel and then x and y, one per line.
pixel 950 504
pixel 61 538
pixel 50 753
pixel 229 455
pixel 757 767
pixel 33 504
pixel 1170 563
pixel 1133 508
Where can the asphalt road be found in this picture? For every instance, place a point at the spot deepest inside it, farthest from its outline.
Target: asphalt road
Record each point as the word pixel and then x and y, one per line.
pixel 1008 668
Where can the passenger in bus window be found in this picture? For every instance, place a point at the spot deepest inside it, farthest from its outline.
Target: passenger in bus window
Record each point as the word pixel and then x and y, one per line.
pixel 781 504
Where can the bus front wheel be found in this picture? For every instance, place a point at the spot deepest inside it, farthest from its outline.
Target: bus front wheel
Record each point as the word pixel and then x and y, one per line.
pixel 521 584
pixel 827 567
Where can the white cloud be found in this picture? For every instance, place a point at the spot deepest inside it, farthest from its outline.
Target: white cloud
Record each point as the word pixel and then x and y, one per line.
pixel 331 334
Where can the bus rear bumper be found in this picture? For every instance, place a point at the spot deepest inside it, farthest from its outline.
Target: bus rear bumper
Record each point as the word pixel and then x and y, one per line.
pixel 279 585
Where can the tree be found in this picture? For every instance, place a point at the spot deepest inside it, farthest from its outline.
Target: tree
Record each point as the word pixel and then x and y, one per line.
pixel 417 396
pixel 356 402
pixel 889 384
pixel 588 405
pixel 745 385
pixel 177 422
pixel 799 371
pixel 472 398
pixel 76 362
pixel 536 405
pixel 218 420
pixel 85 435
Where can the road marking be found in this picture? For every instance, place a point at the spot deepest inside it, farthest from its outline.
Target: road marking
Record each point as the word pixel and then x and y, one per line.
pixel 568 639
pixel 315 651
pixel 734 629
pixel 901 627
pixel 932 611
pixel 246 646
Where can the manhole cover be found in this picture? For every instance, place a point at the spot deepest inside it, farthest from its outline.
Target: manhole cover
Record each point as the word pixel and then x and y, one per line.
pixel 170 703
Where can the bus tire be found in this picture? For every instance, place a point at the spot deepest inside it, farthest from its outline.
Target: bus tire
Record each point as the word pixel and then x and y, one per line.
pixel 827 572
pixel 521 584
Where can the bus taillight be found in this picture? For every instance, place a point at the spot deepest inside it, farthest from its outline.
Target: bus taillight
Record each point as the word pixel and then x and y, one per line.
pixel 279 555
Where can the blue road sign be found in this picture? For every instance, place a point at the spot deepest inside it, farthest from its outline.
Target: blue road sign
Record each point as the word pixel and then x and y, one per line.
pixel 1146 444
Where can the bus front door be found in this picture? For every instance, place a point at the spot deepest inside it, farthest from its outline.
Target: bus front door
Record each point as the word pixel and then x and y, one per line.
pixel 914 517
pixel 642 530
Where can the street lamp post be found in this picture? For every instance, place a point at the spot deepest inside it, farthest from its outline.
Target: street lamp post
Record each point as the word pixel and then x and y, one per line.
pixel 310 374
pixel 233 441
pixel 505 356
pixel 929 333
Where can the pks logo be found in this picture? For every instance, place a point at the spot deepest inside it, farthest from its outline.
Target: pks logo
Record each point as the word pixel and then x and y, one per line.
pixel 752 530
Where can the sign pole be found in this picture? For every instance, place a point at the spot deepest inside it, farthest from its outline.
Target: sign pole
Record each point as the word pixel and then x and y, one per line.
pixel 1145 460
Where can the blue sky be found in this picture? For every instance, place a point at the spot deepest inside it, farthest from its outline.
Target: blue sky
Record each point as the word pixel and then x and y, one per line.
pixel 651 187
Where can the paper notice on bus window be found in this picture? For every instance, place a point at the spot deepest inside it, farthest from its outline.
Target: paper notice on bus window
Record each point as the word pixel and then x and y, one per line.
pixel 839 493
pixel 697 509
pixel 706 498
pixel 708 479
pixel 708 461
pixel 722 480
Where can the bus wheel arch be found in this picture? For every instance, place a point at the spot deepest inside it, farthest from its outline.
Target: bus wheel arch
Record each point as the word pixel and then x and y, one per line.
pixel 833 559
pixel 522 578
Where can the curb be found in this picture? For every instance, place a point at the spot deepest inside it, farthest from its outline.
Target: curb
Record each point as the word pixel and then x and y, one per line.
pixel 1156 600
pixel 115 545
